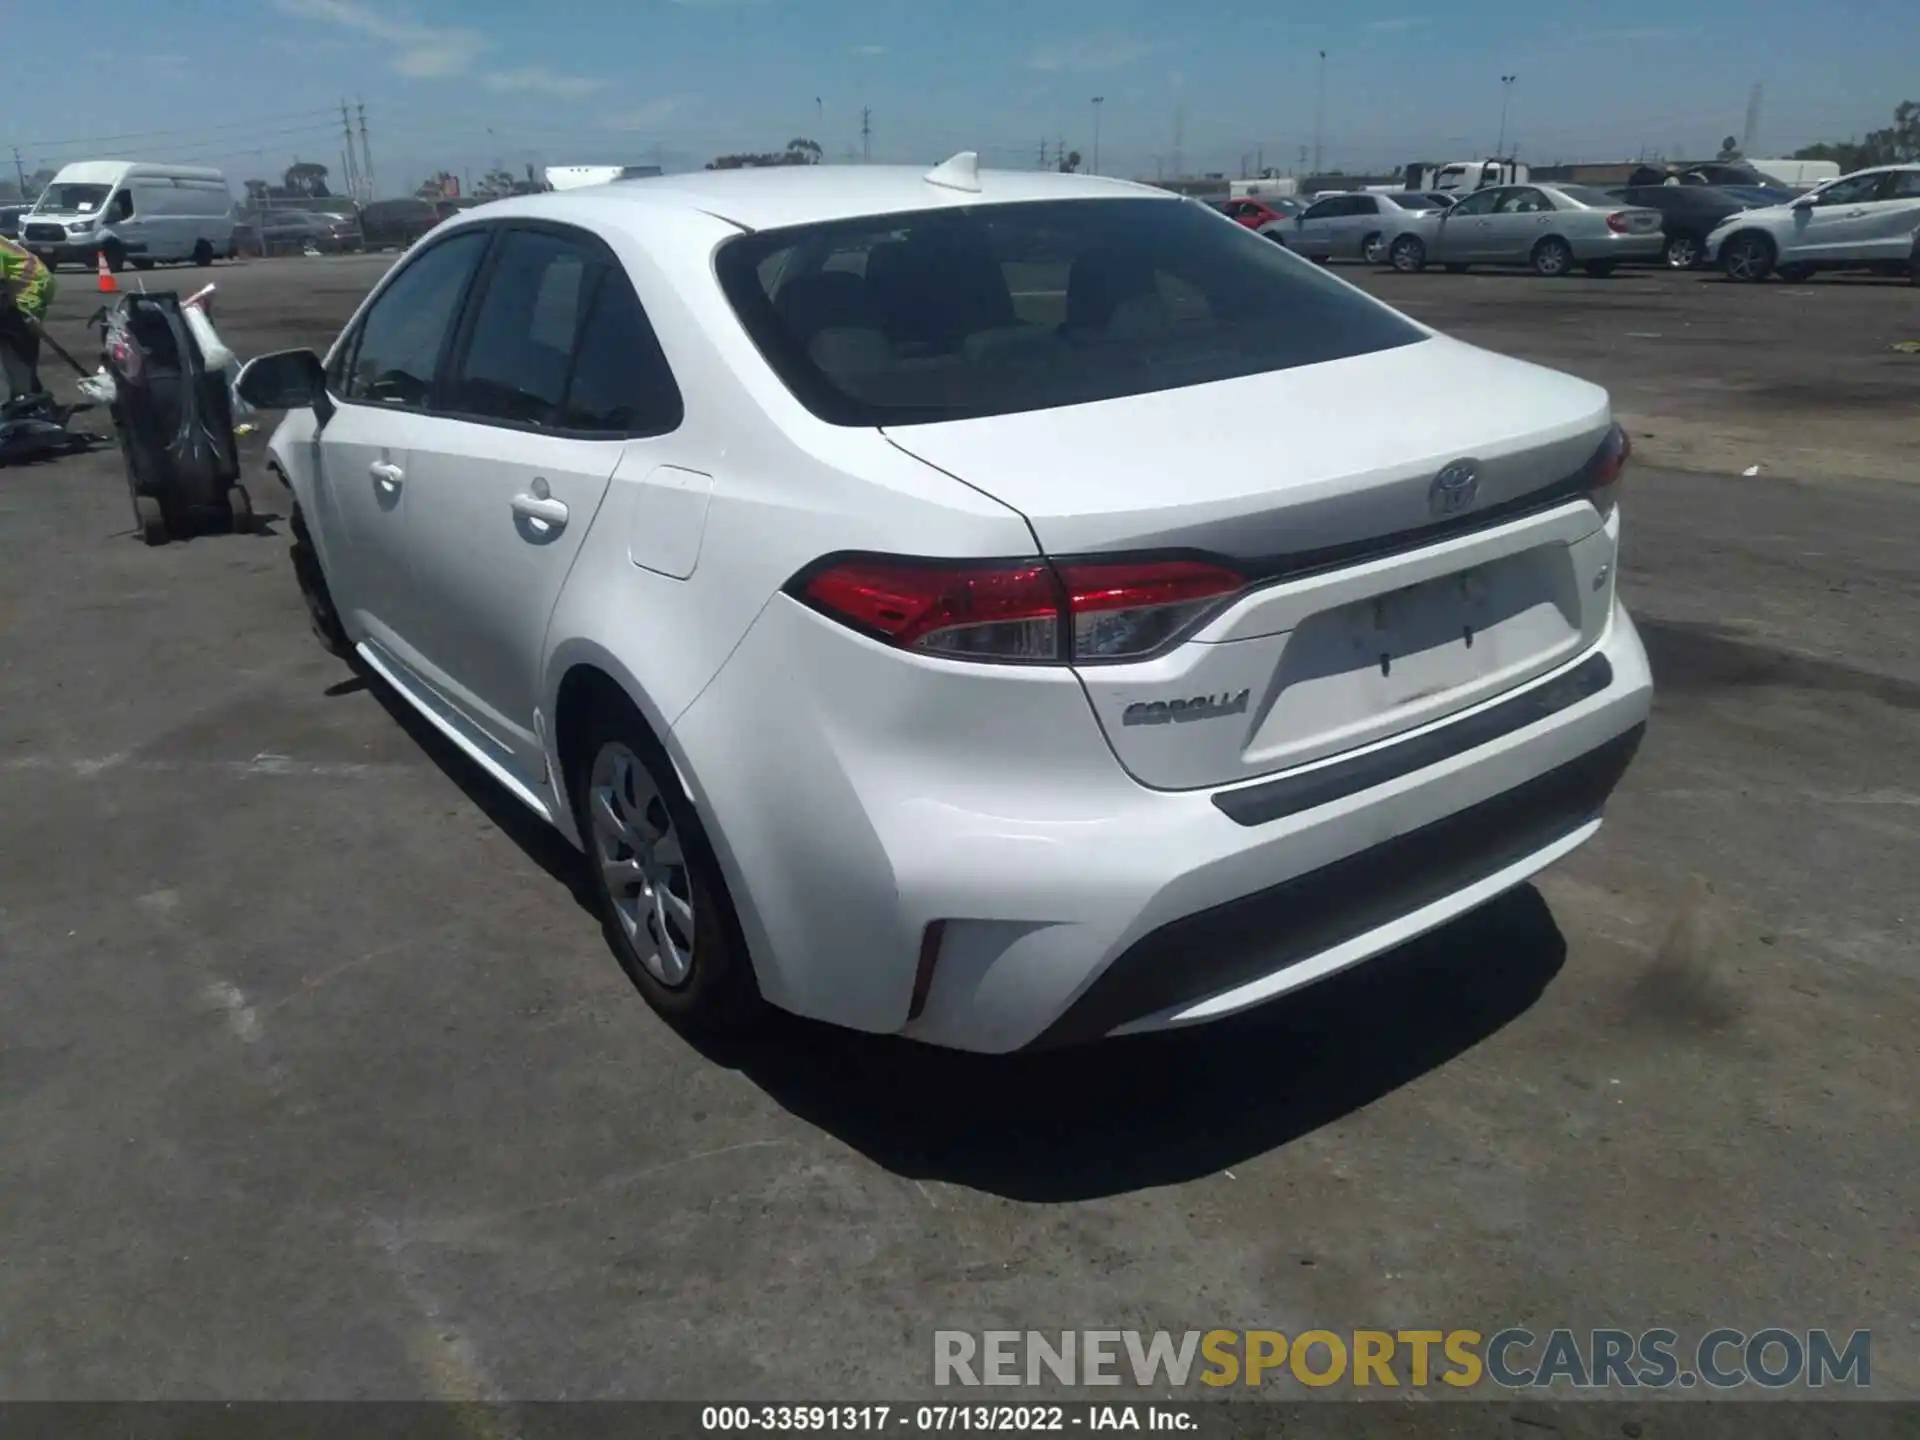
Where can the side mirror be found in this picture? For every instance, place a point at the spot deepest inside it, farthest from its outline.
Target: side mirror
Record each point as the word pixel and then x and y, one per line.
pixel 1805 202
pixel 285 380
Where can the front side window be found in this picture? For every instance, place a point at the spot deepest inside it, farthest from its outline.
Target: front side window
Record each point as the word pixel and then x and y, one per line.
pixel 1323 210
pixel 1854 190
pixel 404 333
pixel 1903 185
pixel 985 310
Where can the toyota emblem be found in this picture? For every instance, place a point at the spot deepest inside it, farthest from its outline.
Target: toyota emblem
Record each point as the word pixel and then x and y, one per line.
pixel 1454 488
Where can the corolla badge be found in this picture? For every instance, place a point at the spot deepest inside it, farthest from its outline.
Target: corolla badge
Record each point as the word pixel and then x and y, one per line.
pixel 1454 488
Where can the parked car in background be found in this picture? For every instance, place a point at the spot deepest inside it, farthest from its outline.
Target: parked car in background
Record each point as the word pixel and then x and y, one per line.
pixel 1688 214
pixel 1352 227
pixel 450 206
pixel 1255 213
pixel 10 219
pixel 285 232
pixel 1552 228
pixel 1757 195
pixel 1866 220
pixel 396 224
pixel 1079 731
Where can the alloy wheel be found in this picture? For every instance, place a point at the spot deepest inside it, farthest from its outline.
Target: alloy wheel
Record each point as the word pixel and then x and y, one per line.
pixel 1683 252
pixel 638 850
pixel 1747 260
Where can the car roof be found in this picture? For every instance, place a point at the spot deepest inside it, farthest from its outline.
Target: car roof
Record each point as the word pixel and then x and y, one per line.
pixel 775 196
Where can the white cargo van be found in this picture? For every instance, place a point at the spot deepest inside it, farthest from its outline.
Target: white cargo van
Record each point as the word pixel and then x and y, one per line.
pixel 127 211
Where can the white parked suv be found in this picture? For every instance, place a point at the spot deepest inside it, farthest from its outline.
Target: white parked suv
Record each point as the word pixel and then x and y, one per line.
pixel 1869 219
pixel 863 567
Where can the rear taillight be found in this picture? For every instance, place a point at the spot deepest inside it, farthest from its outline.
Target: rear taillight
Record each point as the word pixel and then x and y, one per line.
pixel 1618 222
pixel 1019 611
pixel 1607 468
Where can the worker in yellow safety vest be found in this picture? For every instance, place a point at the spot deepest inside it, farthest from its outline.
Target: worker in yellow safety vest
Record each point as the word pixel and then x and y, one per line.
pixel 28 285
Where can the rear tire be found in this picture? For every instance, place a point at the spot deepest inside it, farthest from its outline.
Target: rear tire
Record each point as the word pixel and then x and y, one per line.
pixel 1408 255
pixel 1552 257
pixel 662 898
pixel 1747 259
pixel 203 254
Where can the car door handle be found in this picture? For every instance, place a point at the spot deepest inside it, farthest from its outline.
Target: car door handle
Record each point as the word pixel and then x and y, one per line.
pixel 387 473
pixel 541 508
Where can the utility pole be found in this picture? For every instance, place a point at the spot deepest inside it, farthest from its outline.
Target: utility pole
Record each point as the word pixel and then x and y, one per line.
pixel 346 129
pixel 1320 119
pixel 1098 101
pixel 1260 162
pixel 1751 137
pixel 1506 94
pixel 1060 153
pixel 866 134
pixel 1043 154
pixel 1179 140
pixel 366 153
pixel 20 169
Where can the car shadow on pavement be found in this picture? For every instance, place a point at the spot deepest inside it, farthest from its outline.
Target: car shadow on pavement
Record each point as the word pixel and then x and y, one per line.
pixel 1120 1115
pixel 1151 1110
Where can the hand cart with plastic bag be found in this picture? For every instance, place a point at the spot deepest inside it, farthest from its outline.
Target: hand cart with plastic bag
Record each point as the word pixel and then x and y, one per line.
pixel 175 421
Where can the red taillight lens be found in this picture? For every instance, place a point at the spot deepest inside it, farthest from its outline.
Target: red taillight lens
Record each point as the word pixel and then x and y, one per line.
pixel 1607 467
pixel 1617 222
pixel 1021 611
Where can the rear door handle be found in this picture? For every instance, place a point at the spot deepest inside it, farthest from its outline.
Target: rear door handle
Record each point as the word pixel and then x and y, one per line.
pixel 387 473
pixel 543 509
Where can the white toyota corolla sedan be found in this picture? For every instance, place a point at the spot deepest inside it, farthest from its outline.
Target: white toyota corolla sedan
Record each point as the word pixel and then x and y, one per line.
pixel 869 570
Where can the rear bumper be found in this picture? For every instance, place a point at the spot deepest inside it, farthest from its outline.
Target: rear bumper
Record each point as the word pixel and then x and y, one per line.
pixel 1625 248
pixel 1075 902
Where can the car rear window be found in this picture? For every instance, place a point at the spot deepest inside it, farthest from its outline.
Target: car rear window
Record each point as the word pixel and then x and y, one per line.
pixel 987 310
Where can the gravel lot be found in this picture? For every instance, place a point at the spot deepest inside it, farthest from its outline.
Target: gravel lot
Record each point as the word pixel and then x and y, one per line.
pixel 317 1079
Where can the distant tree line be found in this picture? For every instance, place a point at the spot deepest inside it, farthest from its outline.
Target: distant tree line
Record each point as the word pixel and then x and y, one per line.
pixel 798 152
pixel 1898 143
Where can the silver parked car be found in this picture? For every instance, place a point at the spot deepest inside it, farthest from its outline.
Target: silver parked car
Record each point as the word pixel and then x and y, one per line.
pixel 1552 228
pixel 1351 227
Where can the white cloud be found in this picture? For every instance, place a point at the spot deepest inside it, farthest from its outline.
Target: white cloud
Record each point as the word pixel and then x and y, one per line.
pixel 540 80
pixel 1109 51
pixel 869 49
pixel 1397 22
pixel 646 117
pixel 419 50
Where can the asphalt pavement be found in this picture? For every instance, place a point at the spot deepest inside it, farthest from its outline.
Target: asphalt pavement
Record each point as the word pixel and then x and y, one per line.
pixel 317 1078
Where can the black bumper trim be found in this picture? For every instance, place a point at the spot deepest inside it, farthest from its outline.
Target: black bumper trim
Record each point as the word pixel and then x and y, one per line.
pixel 1215 950
pixel 1290 794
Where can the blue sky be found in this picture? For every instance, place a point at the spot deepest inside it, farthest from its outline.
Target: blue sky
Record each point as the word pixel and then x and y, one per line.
pixel 246 84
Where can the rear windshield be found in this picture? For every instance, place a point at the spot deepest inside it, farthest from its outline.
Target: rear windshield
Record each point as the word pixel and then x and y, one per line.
pixel 955 313
pixel 73 199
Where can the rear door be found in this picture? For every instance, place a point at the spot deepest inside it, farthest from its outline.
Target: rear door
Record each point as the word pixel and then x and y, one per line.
pixel 1362 220
pixel 1839 224
pixel 1894 216
pixel 557 381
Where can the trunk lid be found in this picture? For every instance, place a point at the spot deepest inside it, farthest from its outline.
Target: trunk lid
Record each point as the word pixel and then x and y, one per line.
pixel 1325 459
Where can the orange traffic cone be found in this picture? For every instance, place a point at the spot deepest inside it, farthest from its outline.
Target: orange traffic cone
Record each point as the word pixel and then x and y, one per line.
pixel 108 285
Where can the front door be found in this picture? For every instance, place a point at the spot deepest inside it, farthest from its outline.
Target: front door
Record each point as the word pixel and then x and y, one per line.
pixel 1838 220
pixel 382 376
pixel 556 383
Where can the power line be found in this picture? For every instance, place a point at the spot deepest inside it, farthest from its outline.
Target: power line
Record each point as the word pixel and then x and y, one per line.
pixel 190 130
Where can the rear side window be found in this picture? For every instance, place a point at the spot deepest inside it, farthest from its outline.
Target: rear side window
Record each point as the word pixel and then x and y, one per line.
pixel 400 342
pixel 621 384
pixel 1902 185
pixel 988 310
